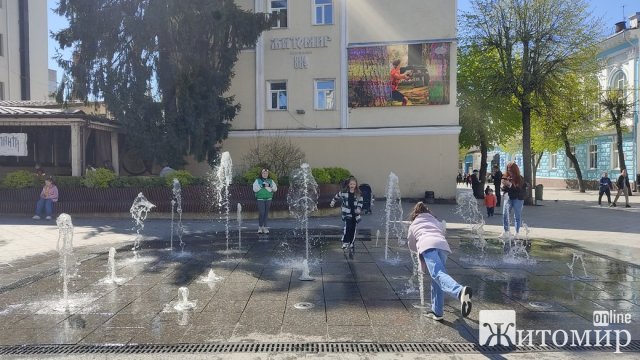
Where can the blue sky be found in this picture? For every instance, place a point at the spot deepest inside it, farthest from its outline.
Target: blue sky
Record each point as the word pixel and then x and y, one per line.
pixel 610 10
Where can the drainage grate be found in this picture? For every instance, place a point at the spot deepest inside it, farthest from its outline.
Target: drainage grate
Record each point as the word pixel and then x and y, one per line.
pixel 447 348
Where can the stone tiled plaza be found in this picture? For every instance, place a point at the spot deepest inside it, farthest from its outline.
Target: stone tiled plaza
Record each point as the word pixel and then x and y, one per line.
pixel 356 296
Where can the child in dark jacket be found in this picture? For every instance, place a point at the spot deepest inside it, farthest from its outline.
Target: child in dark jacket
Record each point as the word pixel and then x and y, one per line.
pixel 351 208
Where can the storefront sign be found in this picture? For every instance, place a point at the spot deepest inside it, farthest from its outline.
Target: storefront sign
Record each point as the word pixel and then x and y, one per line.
pixel 300 42
pixel 13 144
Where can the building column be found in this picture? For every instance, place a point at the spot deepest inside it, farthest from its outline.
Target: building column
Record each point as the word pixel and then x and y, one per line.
pixel 115 160
pixel 260 83
pixel 76 151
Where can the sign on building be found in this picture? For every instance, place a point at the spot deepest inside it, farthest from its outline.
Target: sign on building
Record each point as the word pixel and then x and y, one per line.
pixel 13 144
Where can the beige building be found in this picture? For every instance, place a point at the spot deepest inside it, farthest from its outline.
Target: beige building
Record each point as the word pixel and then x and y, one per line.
pixel 322 76
pixel 23 50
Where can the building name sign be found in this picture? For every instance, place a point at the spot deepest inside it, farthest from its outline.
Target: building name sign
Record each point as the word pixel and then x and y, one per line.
pixel 14 144
pixel 300 42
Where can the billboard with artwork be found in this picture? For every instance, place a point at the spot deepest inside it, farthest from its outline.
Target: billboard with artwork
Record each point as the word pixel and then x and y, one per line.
pixel 399 75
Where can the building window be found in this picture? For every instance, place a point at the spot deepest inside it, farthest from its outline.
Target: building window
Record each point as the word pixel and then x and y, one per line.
pixel 553 161
pixel 570 164
pixel 277 95
pixel 618 82
pixel 322 12
pixel 615 158
pixel 278 11
pixel 593 156
pixel 325 94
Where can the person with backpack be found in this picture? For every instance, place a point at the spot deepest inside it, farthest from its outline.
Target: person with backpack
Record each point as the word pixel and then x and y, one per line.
pixel 515 189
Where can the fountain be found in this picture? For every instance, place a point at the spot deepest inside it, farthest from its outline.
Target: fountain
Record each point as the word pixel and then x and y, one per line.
pixel 176 204
pixel 576 257
pixel 377 236
pixel 469 211
pixel 184 304
pixel 139 211
pixel 239 219
pixel 220 180
pixel 303 200
pixel 112 264
pixel 393 212
pixel 65 249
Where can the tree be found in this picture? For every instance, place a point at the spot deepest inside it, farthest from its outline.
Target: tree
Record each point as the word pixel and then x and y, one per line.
pixel 568 111
pixel 485 119
pixel 162 67
pixel 534 40
pixel 617 106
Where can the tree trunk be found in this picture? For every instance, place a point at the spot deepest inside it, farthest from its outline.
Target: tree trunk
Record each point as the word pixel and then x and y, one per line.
pixel 536 163
pixel 526 146
pixel 572 157
pixel 483 161
pixel 623 166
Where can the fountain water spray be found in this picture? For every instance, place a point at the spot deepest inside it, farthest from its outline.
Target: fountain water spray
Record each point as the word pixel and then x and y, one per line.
pixel 65 249
pixel 393 212
pixel 176 204
pixel 220 180
pixel 239 218
pixel 139 211
pixel 303 200
pixel 576 257
pixel 377 236
pixel 112 264
pixel 469 211
pixel 184 304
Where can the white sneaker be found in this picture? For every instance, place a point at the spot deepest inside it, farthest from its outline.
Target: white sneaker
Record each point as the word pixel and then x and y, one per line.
pixel 36 217
pixel 265 230
pixel 344 245
pixel 48 218
pixel 505 235
pixel 259 229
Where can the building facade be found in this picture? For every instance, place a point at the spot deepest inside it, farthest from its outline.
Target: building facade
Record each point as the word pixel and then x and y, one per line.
pixel 322 77
pixel 23 50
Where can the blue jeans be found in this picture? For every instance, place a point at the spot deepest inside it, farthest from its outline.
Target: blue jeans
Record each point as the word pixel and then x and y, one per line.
pixel 441 282
pixel 516 205
pixel 47 204
pixel 263 212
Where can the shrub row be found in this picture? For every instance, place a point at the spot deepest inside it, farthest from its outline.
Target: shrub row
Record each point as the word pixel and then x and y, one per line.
pixel 104 178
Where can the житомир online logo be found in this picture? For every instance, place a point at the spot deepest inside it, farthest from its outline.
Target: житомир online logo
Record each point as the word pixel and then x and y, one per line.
pixel 498 328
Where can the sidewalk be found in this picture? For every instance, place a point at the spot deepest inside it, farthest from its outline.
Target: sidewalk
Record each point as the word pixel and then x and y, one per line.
pixel 566 216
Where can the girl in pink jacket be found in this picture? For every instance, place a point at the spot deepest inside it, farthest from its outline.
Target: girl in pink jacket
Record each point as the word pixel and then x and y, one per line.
pixel 48 196
pixel 426 237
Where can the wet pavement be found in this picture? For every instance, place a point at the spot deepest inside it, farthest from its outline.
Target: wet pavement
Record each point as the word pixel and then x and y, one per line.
pixel 356 296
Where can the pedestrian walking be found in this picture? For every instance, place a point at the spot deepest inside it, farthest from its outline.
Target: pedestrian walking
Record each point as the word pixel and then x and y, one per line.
pixel 605 188
pixel 622 184
pixel 426 237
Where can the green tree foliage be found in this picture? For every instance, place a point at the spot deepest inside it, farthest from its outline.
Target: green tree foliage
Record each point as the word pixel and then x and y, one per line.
pixel 568 113
pixel 162 67
pixel 617 106
pixel 534 40
pixel 487 119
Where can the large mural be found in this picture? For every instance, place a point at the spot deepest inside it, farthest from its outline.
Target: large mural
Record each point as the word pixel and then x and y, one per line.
pixel 399 75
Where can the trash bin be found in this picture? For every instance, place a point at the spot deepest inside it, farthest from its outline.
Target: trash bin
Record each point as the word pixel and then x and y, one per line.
pixel 429 197
pixel 539 191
